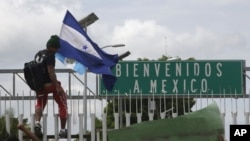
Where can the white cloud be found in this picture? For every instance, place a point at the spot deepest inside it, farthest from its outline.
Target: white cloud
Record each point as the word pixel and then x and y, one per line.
pixel 26 26
pixel 147 39
pixel 205 43
pixel 142 38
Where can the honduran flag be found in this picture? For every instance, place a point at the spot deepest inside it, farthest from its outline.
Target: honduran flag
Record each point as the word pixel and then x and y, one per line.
pixel 76 45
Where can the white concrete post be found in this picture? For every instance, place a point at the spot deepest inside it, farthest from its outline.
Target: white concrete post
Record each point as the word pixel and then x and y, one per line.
pixel 139 115
pixel 234 116
pixel 174 115
pixel 128 119
pixel 163 115
pixel 151 116
pixel 116 116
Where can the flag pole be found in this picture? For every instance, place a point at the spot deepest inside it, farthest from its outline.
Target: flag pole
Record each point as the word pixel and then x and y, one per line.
pixel 85 105
pixel 88 20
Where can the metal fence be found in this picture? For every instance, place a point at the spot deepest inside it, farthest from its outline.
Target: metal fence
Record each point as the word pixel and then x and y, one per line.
pixel 85 106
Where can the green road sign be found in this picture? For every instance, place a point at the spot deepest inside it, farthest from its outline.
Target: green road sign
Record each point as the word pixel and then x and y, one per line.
pixel 197 77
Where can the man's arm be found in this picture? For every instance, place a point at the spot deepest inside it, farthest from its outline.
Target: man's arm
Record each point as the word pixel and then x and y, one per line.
pixel 52 75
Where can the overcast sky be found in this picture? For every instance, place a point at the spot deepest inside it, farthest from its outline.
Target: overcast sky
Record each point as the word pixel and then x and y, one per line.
pixel 203 29
pixel 207 29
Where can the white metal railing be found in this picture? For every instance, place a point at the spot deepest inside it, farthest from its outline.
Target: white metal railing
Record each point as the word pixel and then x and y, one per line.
pixel 235 114
pixel 233 111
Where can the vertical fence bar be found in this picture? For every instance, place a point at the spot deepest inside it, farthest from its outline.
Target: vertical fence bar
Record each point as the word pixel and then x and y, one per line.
pixel 20 121
pixel 80 127
pixel 248 113
pixel 14 84
pixel 184 105
pixel 45 127
pixel 188 102
pixel 69 126
pixel 98 135
pixel 116 115
pixel 7 118
pixel 150 114
pixel 139 114
pixel 162 113
pixel 104 127
pixel 92 116
pixel 233 113
pixel 0 103
pixel 85 105
pixel 56 125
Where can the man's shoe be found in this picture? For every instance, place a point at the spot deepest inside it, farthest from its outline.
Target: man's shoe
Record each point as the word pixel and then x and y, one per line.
pixel 63 134
pixel 38 131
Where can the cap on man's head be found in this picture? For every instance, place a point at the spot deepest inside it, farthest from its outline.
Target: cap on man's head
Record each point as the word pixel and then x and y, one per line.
pixel 53 42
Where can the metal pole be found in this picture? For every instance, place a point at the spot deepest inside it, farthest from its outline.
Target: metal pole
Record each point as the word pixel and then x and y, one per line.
pixel 120 112
pixel 69 126
pixel 69 84
pixel 85 105
pixel 20 121
pixel 92 126
pixel 80 127
pixel 7 118
pixel 14 84
pixel 45 127
pixel 56 126
pixel 104 127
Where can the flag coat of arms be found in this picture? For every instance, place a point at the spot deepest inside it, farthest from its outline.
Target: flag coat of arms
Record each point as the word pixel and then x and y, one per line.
pixel 77 46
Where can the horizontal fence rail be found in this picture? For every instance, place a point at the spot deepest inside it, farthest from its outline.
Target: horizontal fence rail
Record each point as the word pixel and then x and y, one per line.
pixel 234 109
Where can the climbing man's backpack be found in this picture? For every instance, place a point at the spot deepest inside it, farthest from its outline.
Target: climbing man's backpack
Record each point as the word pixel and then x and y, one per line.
pixel 34 74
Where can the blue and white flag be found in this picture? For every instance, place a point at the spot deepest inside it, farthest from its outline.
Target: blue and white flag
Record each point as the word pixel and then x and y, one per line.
pixel 76 45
